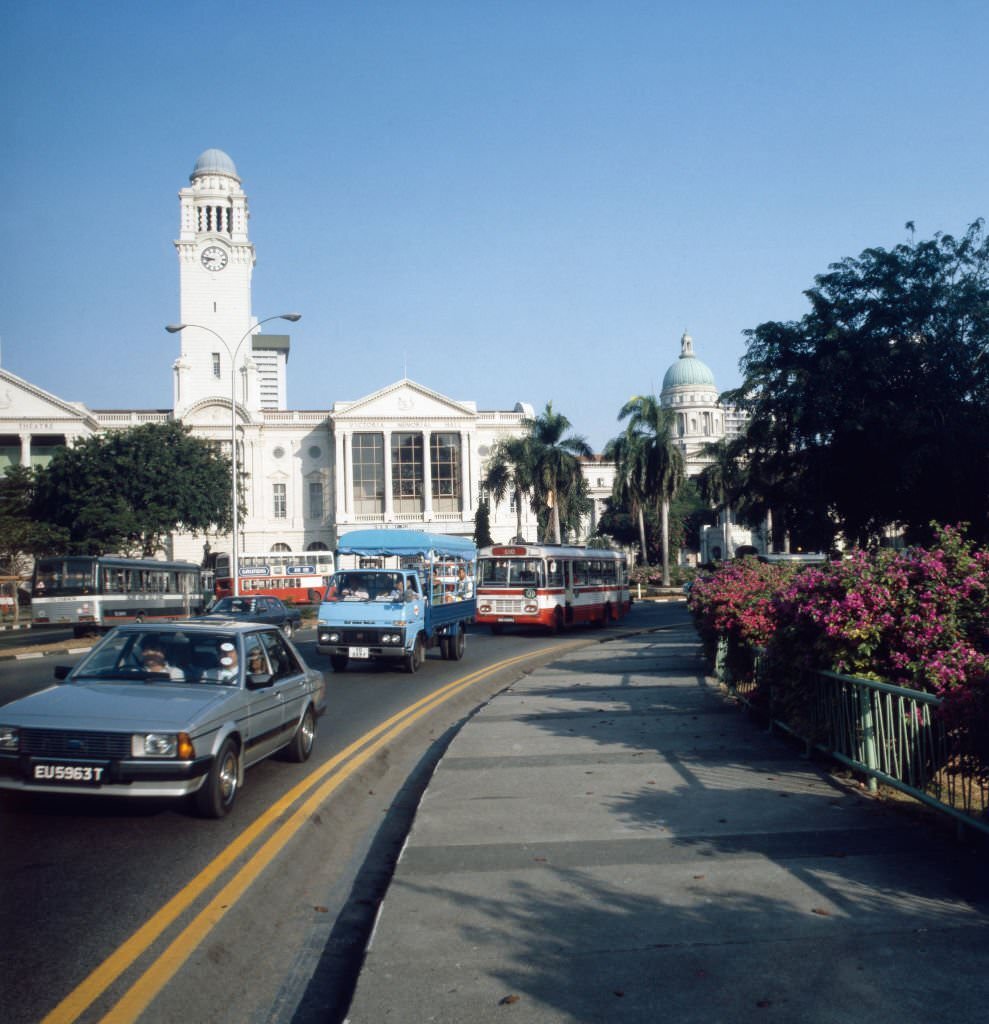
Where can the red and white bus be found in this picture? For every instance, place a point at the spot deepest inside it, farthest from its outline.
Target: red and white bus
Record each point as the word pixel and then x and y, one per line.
pixel 550 585
pixel 297 576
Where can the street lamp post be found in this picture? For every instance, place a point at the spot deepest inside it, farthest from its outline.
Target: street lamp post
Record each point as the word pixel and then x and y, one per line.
pixel 175 329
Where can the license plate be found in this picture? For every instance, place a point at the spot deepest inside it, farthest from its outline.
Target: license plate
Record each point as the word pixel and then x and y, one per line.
pixel 68 774
pixel 360 652
pixel 506 618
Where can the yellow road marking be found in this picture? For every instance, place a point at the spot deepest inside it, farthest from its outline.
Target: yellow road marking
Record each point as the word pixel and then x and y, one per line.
pixel 143 991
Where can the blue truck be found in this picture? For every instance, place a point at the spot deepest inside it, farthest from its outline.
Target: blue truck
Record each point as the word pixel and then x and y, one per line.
pixel 395 595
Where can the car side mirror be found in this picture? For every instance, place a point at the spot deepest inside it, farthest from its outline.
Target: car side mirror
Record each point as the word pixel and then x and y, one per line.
pixel 258 680
pixel 62 671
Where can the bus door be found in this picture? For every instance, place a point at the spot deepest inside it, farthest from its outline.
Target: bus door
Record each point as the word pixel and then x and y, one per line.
pixel 568 594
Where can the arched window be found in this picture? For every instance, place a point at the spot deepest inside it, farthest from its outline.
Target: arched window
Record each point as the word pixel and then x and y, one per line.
pixel 281 547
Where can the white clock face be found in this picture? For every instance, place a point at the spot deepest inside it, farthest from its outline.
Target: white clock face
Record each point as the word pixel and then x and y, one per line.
pixel 214 258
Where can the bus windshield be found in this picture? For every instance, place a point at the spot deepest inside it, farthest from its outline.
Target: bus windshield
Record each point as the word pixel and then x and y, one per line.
pixel 64 577
pixel 512 572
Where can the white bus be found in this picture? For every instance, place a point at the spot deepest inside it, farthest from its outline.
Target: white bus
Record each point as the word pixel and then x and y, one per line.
pixel 550 585
pixel 92 593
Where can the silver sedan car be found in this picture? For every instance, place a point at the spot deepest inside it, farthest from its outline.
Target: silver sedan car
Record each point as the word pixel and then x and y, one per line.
pixel 166 710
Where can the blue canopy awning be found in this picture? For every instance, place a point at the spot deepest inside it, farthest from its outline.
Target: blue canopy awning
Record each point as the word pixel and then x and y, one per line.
pixel 405 542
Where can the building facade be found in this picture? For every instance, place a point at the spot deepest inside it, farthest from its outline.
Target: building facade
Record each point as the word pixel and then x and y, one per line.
pixel 403 455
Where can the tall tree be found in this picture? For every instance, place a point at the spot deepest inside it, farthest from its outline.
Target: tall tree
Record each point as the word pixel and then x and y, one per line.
pixel 718 482
pixel 664 469
pixel 510 473
pixel 628 452
pixel 127 490
pixel 872 410
pixel 558 479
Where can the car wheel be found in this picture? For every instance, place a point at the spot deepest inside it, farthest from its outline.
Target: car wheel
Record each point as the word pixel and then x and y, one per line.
pixel 302 742
pixel 415 658
pixel 217 794
pixel 287 629
pixel 339 662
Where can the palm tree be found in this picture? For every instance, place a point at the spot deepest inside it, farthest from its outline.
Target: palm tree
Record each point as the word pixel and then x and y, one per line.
pixel 557 476
pixel 718 482
pixel 627 451
pixel 510 473
pixel 662 461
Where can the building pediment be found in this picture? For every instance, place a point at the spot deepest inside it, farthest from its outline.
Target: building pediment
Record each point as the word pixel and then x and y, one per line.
pixel 36 409
pixel 210 413
pixel 403 401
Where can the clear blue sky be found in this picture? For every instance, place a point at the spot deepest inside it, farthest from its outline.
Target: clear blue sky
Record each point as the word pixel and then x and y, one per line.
pixel 515 200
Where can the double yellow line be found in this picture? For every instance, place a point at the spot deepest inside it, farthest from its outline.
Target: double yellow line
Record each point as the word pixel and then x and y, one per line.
pixel 318 785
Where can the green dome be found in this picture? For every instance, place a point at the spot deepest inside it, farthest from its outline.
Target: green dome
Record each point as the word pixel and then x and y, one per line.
pixel 688 370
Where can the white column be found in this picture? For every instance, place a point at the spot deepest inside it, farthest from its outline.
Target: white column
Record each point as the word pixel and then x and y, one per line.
pixel 427 476
pixel 467 504
pixel 389 506
pixel 26 451
pixel 338 473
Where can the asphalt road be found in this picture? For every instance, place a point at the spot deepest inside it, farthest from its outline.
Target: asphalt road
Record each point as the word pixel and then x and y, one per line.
pixel 182 918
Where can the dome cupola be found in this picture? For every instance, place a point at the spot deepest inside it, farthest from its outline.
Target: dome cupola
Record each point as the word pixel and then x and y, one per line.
pixel 214 161
pixel 688 370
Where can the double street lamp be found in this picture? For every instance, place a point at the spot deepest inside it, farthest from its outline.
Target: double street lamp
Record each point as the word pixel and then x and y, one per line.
pixel 175 329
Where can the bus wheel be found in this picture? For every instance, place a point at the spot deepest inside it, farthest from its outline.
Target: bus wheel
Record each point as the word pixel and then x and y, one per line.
pixel 339 662
pixel 415 657
pixel 557 626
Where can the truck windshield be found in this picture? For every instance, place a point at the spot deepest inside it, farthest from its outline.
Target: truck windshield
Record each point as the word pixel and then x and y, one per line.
pixel 366 586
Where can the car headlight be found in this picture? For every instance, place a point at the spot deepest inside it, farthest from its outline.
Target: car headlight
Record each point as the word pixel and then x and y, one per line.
pixel 484 608
pixel 162 744
pixel 532 608
pixel 9 738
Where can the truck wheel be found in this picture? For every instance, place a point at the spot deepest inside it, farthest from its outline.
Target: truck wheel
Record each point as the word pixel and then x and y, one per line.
pixel 339 662
pixel 445 648
pixel 216 795
pixel 416 656
pixel 456 645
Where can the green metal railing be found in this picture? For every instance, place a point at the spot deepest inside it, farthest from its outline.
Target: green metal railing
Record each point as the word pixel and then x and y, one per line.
pixel 890 734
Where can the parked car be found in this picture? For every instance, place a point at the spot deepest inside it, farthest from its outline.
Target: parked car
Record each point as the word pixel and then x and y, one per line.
pixel 271 610
pixel 167 710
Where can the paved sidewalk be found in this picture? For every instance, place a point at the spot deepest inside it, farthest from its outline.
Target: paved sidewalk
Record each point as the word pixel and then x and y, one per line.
pixel 613 840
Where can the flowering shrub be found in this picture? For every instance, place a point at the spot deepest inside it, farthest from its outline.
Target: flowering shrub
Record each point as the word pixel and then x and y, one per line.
pixel 917 618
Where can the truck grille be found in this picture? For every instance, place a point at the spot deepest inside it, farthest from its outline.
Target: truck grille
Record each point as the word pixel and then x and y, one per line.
pixel 75 743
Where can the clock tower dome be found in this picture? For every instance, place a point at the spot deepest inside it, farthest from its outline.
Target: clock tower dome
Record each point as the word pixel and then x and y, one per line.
pixel 216 261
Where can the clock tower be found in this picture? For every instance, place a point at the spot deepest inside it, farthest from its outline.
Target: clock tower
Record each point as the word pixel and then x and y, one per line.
pixel 216 261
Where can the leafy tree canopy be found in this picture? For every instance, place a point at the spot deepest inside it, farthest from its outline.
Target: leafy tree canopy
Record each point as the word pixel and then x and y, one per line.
pixel 21 534
pixel 871 411
pixel 127 490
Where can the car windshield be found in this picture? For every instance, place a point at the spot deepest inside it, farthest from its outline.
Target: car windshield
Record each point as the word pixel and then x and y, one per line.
pixel 163 657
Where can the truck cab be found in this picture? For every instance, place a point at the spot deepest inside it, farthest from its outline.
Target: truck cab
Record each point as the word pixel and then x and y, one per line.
pixel 395 595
